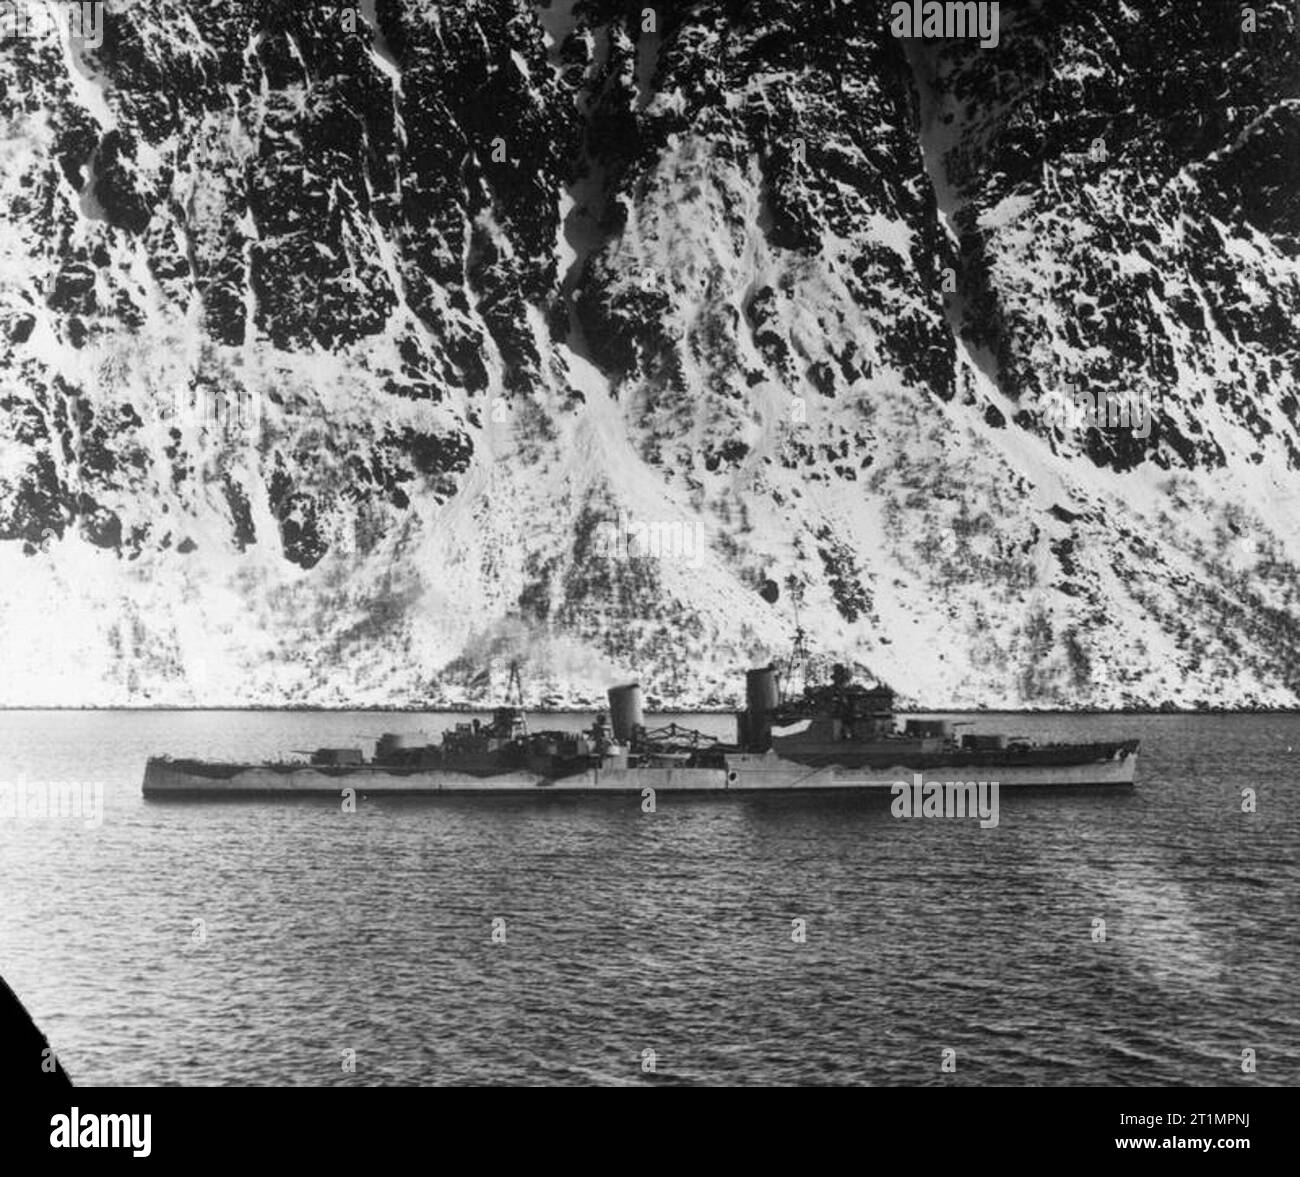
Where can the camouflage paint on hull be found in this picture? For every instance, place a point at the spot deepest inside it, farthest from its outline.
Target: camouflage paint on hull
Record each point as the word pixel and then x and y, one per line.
pixel 744 773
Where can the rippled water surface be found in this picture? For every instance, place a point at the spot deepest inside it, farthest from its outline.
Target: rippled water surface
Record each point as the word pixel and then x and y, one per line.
pixel 670 932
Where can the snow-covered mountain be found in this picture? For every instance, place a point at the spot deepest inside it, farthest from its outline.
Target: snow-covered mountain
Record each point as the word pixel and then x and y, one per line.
pixel 350 352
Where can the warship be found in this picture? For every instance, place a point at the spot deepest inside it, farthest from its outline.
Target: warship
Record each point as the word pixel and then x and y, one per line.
pixel 835 737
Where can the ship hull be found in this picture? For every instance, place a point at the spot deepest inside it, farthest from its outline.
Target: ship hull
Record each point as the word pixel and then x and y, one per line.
pixel 1113 765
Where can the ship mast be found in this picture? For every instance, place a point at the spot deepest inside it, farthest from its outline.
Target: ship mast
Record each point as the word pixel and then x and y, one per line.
pixel 799 656
pixel 515 693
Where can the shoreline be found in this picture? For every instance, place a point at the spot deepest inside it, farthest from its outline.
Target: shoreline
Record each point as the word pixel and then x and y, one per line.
pixel 486 709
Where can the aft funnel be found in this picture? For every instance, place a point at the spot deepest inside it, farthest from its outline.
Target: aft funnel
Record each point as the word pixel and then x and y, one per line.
pixel 625 711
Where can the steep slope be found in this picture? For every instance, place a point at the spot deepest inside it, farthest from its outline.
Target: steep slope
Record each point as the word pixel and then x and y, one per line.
pixel 338 336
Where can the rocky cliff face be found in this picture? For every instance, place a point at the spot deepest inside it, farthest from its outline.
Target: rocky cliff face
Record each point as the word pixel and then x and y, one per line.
pixel 350 352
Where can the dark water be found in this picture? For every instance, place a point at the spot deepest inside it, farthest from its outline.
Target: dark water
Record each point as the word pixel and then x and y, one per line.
pixel 670 932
